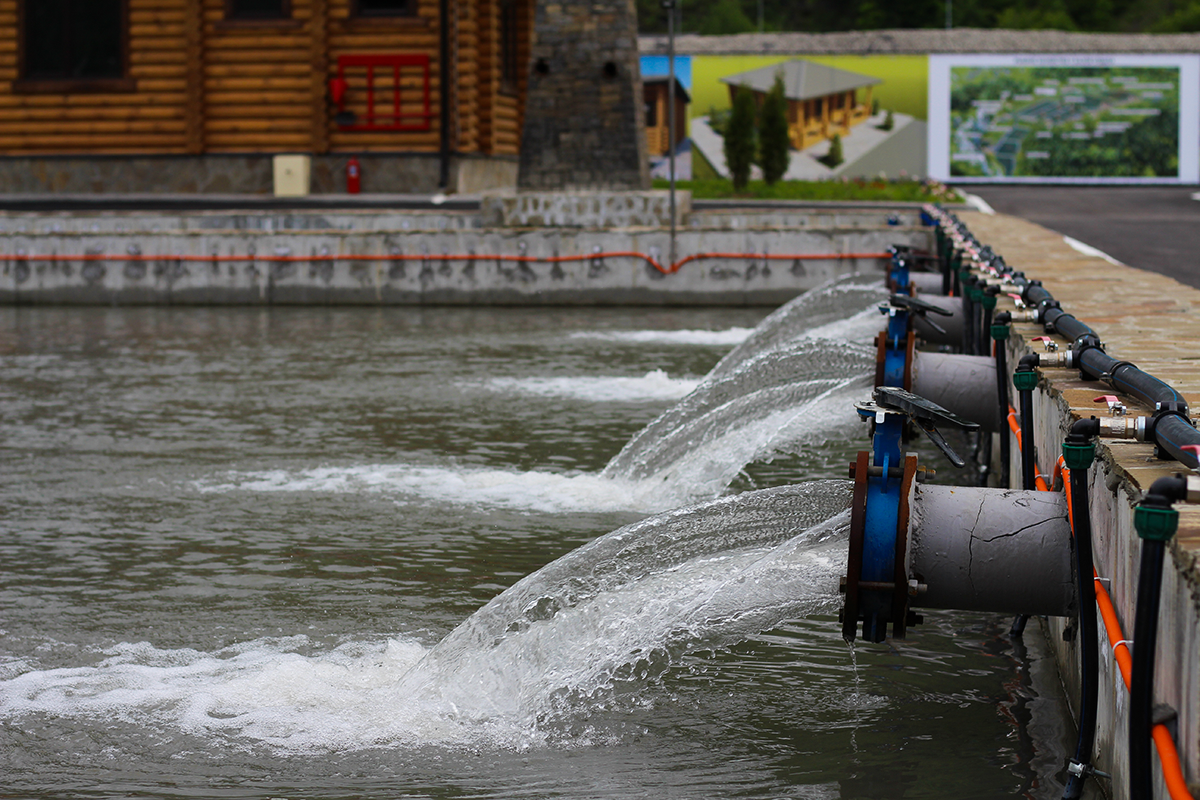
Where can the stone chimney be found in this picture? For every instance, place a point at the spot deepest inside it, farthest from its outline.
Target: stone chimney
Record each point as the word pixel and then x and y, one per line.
pixel 584 117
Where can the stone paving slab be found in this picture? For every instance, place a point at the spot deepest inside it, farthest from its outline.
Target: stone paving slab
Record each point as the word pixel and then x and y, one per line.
pixel 1143 317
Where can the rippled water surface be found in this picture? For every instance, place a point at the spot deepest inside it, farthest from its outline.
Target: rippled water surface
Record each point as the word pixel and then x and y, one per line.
pixel 231 541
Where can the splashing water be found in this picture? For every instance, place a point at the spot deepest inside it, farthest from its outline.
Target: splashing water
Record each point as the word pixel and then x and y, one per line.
pixel 654 385
pixel 533 490
pixel 791 382
pixel 729 336
pixel 833 310
pixel 623 608
pixel 620 609
pixel 800 393
pixel 707 575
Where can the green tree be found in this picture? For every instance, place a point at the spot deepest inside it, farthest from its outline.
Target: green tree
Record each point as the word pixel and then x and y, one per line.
pixel 732 16
pixel 726 16
pixel 889 121
pixel 1036 16
pixel 773 133
pixel 834 157
pixel 1185 20
pixel 740 144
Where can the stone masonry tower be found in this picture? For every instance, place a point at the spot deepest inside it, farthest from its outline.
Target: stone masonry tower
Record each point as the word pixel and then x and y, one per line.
pixel 584 117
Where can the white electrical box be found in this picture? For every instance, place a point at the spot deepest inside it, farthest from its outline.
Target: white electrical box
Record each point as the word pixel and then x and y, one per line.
pixel 292 175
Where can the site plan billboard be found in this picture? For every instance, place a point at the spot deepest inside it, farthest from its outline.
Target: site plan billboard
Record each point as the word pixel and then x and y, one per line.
pixel 1065 118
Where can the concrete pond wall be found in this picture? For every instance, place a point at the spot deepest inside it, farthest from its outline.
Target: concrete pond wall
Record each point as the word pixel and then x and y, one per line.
pixel 494 256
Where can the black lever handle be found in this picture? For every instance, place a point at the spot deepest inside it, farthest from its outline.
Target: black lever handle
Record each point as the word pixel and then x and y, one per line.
pixel 927 415
pixel 919 408
pixel 917 305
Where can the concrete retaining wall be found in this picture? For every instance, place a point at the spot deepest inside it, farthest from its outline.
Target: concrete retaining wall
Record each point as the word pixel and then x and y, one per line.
pixel 1147 319
pixel 443 258
pixel 584 209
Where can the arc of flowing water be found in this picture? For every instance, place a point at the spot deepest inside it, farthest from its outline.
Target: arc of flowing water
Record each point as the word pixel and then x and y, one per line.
pixel 793 380
pixel 819 310
pixel 631 602
pixel 624 607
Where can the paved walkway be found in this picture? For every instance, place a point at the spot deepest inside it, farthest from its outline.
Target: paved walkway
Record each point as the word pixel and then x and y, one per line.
pixel 1148 319
pixel 1156 228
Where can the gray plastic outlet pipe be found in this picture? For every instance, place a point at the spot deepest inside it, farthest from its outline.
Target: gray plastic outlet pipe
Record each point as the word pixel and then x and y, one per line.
pixel 926 283
pixel 998 550
pixel 952 325
pixel 964 385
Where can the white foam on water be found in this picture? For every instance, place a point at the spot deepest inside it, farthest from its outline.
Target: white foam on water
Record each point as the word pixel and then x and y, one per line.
pixel 535 490
pixel 726 338
pixel 654 385
pixel 257 692
pixel 621 609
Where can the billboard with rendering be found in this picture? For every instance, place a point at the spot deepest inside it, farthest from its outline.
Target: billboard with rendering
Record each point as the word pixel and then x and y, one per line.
pixel 1065 118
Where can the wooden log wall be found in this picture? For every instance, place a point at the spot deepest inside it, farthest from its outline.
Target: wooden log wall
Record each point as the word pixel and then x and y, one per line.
pixel 200 83
pixel 151 119
pixel 499 121
pixel 257 81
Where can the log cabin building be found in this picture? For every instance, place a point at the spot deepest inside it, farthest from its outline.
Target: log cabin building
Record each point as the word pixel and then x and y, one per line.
pixel 199 95
pixel 821 100
pixel 656 92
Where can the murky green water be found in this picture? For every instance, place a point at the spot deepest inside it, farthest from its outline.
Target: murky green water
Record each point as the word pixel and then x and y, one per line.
pixel 221 529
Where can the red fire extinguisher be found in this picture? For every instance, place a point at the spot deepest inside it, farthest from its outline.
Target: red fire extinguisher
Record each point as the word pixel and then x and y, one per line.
pixel 353 176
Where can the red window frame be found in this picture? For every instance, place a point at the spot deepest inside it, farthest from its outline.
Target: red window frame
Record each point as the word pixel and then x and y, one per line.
pixel 397 119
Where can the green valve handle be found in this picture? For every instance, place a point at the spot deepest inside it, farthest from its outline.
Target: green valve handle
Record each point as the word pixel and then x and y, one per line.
pixel 1025 380
pixel 988 300
pixel 1000 332
pixel 1155 524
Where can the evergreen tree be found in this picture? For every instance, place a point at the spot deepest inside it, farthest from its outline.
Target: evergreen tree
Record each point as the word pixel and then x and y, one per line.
pixel 834 157
pixel 773 133
pixel 740 144
pixel 889 121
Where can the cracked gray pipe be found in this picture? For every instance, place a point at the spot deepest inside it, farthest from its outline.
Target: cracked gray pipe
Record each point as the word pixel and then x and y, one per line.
pixel 999 550
pixel 964 385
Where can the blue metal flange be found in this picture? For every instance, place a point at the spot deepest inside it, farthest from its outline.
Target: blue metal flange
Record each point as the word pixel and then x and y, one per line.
pixel 895 347
pixel 880 494
pixel 876 583
pixel 898 278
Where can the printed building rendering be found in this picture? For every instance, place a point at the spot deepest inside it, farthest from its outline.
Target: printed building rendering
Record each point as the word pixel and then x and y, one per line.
pixel 822 101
